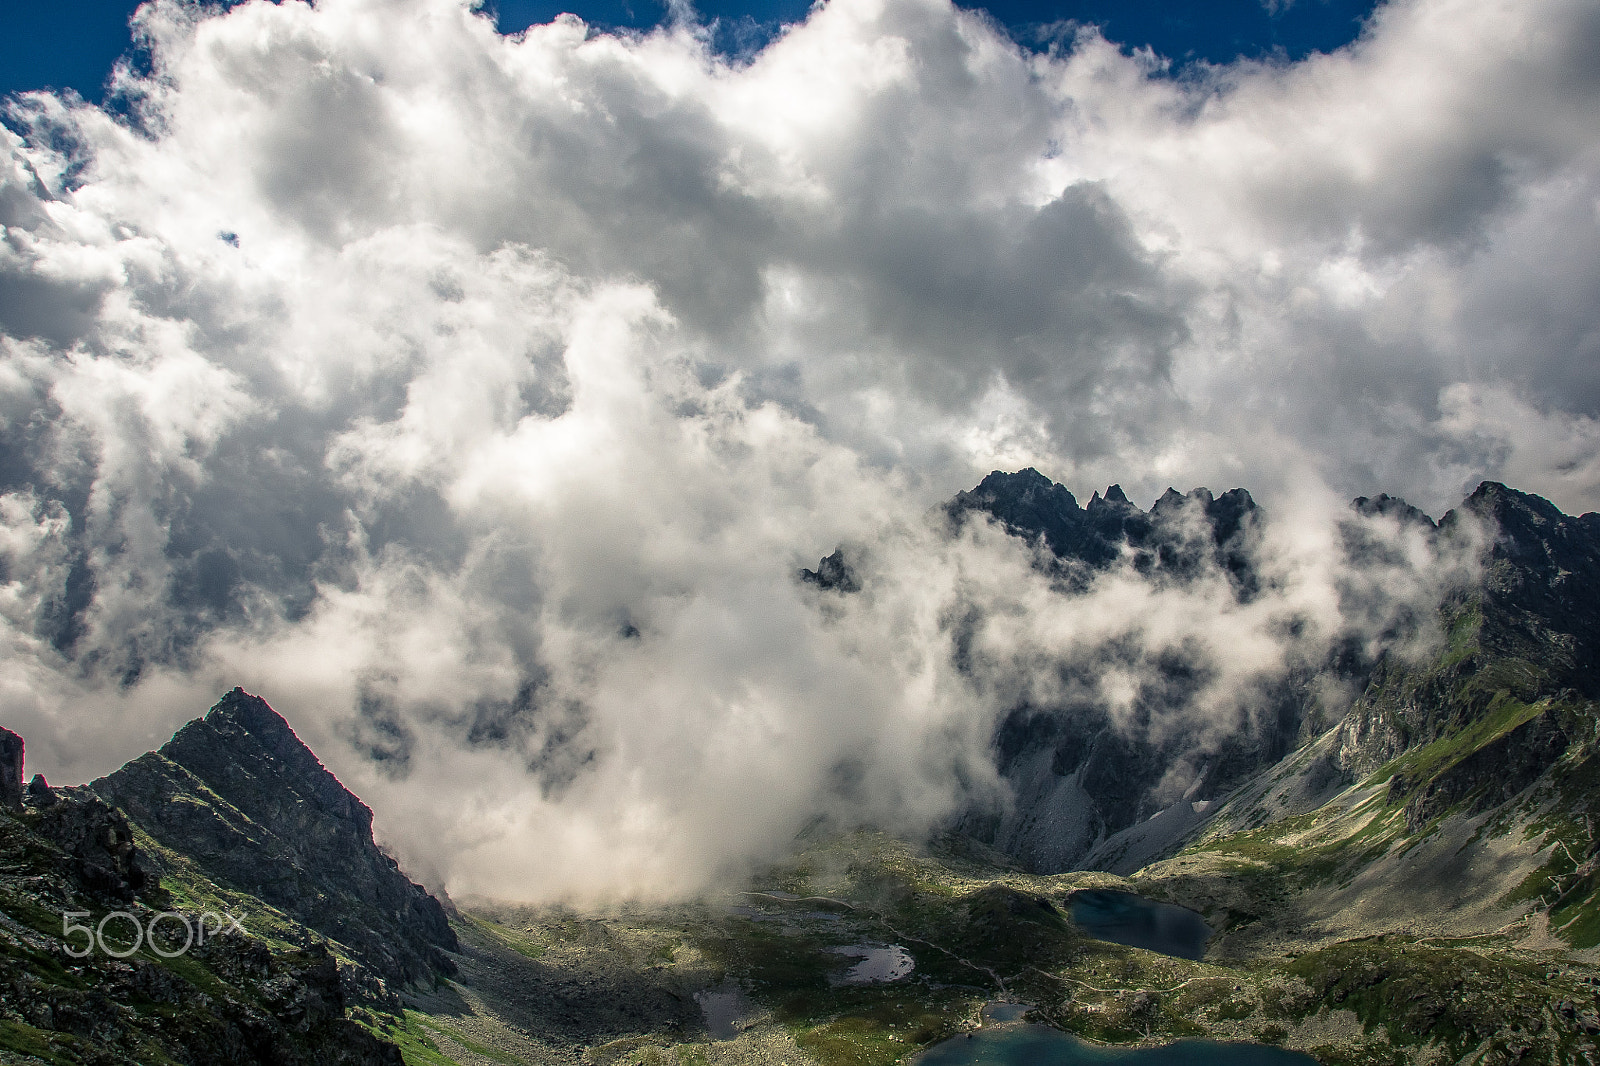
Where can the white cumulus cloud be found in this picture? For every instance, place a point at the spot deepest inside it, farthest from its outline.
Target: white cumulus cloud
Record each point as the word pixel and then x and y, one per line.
pixel 475 399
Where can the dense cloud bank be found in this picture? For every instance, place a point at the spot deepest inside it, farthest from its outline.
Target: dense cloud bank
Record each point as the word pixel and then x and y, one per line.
pixel 476 399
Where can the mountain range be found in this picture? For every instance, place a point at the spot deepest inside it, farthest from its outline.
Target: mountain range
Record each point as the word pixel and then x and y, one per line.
pixel 1509 691
pixel 1408 875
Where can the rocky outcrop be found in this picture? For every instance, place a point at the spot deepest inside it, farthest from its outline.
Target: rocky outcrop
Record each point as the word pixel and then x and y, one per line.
pixel 247 802
pixel 10 770
pixel 1177 538
pixel 833 572
pixel 94 838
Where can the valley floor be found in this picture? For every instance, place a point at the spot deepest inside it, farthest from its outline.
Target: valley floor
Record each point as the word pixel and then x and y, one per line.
pixel 756 977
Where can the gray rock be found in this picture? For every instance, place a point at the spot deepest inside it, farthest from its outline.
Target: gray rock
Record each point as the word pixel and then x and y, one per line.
pixel 95 838
pixel 833 572
pixel 40 794
pixel 10 769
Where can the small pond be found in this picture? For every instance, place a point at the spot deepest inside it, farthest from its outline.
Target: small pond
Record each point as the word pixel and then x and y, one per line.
pixel 1124 918
pixel 879 964
pixel 726 1010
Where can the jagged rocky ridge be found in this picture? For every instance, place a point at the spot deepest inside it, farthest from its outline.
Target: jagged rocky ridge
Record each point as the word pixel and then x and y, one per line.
pixel 1515 685
pixel 1077 779
pixel 1171 540
pixel 65 854
pixel 238 795
pixel 1465 782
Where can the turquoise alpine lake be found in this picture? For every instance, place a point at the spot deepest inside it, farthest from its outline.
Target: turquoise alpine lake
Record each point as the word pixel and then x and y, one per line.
pixel 1124 918
pixel 1038 1045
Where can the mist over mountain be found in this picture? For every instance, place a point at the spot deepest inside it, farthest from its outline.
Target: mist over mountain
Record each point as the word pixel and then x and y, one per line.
pixel 1345 805
pixel 1509 572
pixel 645 475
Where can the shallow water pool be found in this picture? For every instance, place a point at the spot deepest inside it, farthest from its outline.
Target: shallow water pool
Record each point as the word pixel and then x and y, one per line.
pixel 1124 918
pixel 880 963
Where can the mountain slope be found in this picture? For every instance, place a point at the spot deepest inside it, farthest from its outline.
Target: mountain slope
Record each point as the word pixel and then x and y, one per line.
pixel 1459 795
pixel 250 808
pixel 68 868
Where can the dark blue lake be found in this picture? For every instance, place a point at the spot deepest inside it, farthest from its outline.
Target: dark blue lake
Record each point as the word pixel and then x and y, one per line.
pixel 1124 918
pixel 1039 1045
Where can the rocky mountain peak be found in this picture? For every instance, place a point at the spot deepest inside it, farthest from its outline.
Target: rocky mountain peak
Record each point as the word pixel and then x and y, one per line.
pixel 1229 512
pixel 1542 579
pixel 1387 506
pixel 1114 501
pixel 1532 530
pixel 240 714
pixel 242 747
pixel 222 999
pixel 833 572
pixel 1160 540
pixel 1170 502
pixel 241 795
pixel 1027 501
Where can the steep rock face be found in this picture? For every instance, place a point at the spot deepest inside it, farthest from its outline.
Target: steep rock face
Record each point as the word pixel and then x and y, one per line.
pixel 10 769
pixel 1542 584
pixel 239 794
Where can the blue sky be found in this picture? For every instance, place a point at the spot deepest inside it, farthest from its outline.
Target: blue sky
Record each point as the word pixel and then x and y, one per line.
pixel 73 43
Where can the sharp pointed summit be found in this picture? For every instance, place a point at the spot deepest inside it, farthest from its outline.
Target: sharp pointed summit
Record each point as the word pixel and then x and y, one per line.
pixel 238 792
